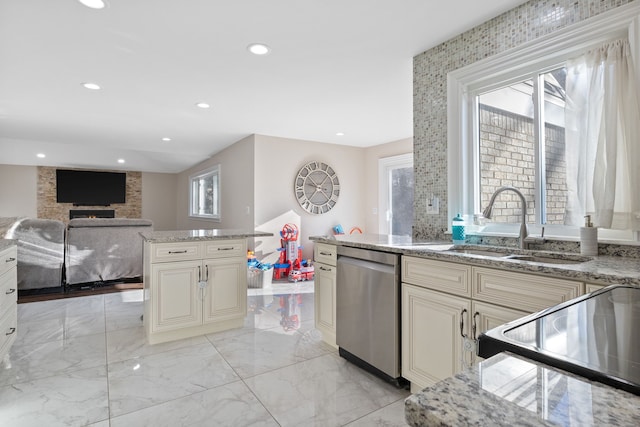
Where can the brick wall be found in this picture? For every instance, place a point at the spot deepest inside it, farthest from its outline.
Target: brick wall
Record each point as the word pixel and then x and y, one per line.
pixel 507 157
pixel 48 208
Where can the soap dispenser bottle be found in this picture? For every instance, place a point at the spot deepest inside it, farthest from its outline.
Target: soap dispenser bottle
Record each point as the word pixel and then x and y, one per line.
pixel 457 230
pixel 588 238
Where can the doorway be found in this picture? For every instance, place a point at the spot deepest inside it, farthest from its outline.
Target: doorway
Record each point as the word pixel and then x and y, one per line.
pixel 395 199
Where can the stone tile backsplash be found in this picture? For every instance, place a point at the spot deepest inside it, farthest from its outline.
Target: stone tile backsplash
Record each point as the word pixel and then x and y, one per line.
pixel 524 23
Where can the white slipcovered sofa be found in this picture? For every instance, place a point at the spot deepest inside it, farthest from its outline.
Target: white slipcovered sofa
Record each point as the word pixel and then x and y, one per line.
pixel 101 249
pixel 40 251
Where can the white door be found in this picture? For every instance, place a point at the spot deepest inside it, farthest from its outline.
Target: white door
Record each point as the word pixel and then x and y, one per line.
pixel 395 198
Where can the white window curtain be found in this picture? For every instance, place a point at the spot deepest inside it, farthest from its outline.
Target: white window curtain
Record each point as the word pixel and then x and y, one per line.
pixel 602 133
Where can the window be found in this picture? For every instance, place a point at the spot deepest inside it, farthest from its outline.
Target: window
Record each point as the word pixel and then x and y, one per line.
pixel 506 128
pixel 205 194
pixel 521 144
pixel 395 198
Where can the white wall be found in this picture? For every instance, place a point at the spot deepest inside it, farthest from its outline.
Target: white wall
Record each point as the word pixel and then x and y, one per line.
pixel 18 191
pixel 372 156
pixel 159 204
pixel 236 184
pixel 277 162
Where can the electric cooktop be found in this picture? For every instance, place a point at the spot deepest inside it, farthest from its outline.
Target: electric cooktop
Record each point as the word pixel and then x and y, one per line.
pixel 596 336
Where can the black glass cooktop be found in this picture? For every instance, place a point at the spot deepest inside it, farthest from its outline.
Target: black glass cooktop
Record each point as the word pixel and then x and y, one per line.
pixel 596 336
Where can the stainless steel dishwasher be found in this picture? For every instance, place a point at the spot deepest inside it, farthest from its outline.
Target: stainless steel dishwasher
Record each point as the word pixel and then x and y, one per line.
pixel 368 311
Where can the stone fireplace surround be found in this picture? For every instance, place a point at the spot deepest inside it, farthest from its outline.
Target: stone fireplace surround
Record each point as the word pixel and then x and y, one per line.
pixel 49 208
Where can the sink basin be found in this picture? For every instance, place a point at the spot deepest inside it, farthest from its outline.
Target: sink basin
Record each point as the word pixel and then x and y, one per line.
pixel 502 253
pixel 547 259
pixel 483 252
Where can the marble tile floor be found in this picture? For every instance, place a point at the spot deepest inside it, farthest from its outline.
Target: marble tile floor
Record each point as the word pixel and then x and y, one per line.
pixel 84 361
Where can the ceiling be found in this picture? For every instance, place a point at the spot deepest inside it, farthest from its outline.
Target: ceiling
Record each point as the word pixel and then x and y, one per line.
pixel 334 66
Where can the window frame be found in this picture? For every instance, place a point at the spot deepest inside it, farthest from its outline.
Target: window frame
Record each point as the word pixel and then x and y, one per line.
pixel 537 56
pixel 215 171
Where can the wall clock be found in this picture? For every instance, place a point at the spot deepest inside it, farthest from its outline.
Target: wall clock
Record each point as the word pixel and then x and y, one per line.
pixel 317 187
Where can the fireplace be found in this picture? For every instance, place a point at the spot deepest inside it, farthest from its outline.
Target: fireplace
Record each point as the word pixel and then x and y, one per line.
pixel 92 213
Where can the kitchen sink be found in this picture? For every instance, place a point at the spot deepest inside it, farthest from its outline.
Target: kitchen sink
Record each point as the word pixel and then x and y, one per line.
pixel 507 254
pixel 484 252
pixel 548 259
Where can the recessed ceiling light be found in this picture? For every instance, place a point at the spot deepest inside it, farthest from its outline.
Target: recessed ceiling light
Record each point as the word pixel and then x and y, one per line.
pixel 91 86
pixel 202 105
pixel 40 155
pixel 165 139
pixel 93 4
pixel 120 160
pixel 340 134
pixel 259 49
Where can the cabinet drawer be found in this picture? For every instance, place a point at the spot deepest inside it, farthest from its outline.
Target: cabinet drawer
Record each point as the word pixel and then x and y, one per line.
pixel 183 251
pixel 437 275
pixel 325 254
pixel 225 248
pixel 8 259
pixel 522 291
pixel 8 329
pixel 8 290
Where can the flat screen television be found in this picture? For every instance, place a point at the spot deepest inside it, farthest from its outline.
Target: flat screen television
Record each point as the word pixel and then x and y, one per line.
pixel 90 188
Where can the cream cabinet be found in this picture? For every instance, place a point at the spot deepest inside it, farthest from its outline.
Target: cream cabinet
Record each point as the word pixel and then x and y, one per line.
pixel 444 302
pixel 325 257
pixel 592 287
pixel 194 288
pixel 432 327
pixel 8 300
pixel 522 291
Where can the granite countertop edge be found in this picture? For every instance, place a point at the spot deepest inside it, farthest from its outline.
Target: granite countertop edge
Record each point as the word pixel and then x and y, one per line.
pixel 461 400
pixel 199 235
pixel 604 270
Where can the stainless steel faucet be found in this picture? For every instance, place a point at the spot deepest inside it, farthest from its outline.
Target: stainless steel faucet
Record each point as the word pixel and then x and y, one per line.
pixel 523 226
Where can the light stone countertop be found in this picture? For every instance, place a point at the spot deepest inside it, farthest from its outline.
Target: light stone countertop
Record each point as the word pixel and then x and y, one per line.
pixel 605 270
pixel 195 235
pixel 7 243
pixel 509 390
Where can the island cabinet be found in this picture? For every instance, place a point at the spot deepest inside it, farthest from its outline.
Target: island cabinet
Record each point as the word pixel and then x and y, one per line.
pixel 194 288
pixel 8 300
pixel 446 306
pixel 325 257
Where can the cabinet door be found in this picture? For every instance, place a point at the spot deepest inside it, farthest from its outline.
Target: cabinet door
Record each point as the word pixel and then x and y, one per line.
pixel 325 301
pixel 431 335
pixel 175 296
pixel 225 296
pixel 489 316
pixel 592 287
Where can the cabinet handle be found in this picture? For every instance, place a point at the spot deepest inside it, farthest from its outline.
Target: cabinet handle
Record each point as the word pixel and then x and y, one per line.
pixel 10 259
pixel 11 331
pixel 324 269
pixel 474 325
pixel 10 291
pixel 178 252
pixel 464 310
pixel 326 253
pixel 226 249
pixel 206 272
pixel 199 274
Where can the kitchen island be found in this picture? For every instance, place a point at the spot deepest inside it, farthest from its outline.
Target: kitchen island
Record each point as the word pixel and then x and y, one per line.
pixel 195 282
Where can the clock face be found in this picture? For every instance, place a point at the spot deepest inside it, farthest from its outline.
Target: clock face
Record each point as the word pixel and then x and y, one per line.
pixel 317 188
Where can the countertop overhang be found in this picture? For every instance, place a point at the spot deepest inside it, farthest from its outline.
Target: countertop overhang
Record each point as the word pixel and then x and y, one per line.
pixel 604 270
pixel 509 390
pixel 197 235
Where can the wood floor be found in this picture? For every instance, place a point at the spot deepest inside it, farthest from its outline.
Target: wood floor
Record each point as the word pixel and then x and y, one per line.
pixel 72 293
